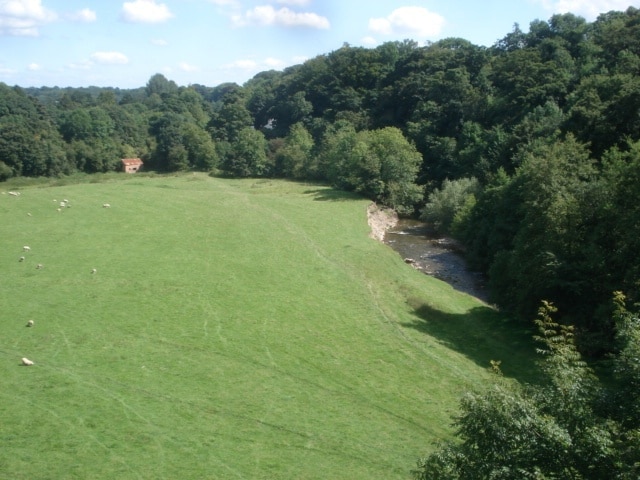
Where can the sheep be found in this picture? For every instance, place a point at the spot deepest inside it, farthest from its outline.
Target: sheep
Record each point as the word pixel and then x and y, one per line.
pixel 30 323
pixel 39 266
pixel 93 270
pixel 21 259
pixel 106 205
pixel 26 362
pixel 63 204
pixel 15 194
pixel 28 214
pixel 26 248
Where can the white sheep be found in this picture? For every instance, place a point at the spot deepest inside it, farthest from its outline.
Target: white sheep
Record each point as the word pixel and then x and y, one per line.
pixel 39 266
pixel 21 259
pixel 106 205
pixel 15 194
pixel 63 204
pixel 30 323
pixel 93 270
pixel 26 248
pixel 26 362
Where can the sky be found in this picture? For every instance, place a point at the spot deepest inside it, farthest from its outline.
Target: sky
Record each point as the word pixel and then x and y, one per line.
pixel 115 43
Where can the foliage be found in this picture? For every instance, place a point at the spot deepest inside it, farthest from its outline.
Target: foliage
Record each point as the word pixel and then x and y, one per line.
pixel 450 203
pixel 247 157
pixel 554 430
pixel 380 164
pixel 295 158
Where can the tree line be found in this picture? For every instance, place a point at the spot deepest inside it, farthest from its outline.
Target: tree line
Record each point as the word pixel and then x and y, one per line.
pixel 527 151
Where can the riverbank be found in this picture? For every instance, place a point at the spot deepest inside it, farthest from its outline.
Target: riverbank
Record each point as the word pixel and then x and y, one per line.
pixel 380 220
pixel 426 251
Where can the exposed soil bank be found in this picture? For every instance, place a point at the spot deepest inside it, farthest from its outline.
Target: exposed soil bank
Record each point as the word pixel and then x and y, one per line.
pixel 380 220
pixel 426 251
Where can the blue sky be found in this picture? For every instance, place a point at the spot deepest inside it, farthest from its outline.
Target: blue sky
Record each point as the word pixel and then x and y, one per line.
pixel 123 43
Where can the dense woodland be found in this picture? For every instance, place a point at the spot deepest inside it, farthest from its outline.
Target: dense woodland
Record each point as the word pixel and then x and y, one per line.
pixel 528 152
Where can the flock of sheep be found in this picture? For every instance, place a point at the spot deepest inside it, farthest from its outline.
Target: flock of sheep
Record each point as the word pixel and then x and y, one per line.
pixel 26 249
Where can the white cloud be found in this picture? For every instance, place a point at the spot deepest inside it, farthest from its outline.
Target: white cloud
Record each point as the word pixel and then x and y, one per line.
pixel 33 67
pixel 297 3
pixel 589 9
pixel 23 17
pixel 7 71
pixel 254 66
pixel 159 42
pixel 145 11
pixel 267 15
pixel 273 63
pixel 110 58
pixel 241 65
pixel 82 65
pixel 226 3
pixel 185 67
pixel 369 41
pixel 85 15
pixel 408 21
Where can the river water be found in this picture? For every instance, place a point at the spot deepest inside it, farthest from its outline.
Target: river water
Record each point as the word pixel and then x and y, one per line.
pixel 435 255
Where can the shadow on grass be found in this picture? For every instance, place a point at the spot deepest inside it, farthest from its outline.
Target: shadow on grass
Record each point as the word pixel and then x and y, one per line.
pixel 482 334
pixel 327 194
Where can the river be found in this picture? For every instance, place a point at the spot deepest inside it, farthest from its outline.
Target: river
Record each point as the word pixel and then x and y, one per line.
pixel 435 255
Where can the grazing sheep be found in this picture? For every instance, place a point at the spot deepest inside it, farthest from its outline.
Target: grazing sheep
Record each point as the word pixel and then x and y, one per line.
pixel 15 194
pixel 26 362
pixel 93 270
pixel 39 266
pixel 26 248
pixel 106 205
pixel 30 323
pixel 63 204
pixel 21 259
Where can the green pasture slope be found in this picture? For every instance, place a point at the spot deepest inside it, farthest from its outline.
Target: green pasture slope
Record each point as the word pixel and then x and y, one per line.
pixel 235 329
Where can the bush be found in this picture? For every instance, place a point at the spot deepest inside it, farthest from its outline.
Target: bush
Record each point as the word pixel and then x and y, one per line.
pixel 447 206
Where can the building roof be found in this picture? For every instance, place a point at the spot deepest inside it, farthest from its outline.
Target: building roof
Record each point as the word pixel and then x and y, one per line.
pixel 131 161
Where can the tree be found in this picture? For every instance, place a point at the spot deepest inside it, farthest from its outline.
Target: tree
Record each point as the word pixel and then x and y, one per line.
pixel 544 258
pixel 380 164
pixel 159 84
pixel 232 117
pixel 549 431
pixel 247 156
pixel 294 159
pixel 451 200
pixel 201 151
pixel 30 144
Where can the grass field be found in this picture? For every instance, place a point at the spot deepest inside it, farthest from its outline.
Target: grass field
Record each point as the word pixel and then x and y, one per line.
pixel 234 329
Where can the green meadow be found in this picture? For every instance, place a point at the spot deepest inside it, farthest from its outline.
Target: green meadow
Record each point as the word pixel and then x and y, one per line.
pixel 234 329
